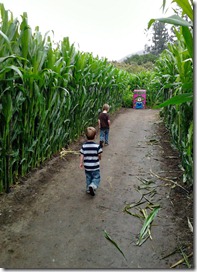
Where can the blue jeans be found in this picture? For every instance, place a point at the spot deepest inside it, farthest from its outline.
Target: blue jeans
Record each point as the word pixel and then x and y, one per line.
pixel 104 135
pixel 92 178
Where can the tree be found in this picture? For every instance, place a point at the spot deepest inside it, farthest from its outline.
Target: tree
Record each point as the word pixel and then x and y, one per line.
pixel 160 38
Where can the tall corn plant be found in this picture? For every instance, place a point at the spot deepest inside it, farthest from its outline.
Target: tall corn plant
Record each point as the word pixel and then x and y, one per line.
pixel 9 72
pixel 48 95
pixel 174 71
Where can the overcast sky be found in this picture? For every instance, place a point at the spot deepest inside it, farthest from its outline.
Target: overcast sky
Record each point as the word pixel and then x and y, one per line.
pixel 107 28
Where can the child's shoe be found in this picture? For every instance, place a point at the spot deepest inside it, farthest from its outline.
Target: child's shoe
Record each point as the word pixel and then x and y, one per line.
pixel 91 190
pixel 101 144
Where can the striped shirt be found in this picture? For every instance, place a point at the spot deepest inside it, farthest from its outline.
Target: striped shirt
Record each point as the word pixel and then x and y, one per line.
pixel 91 150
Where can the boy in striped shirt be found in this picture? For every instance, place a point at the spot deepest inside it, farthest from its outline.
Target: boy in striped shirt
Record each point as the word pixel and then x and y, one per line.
pixel 90 160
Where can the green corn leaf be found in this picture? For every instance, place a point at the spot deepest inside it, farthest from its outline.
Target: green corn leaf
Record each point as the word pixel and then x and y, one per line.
pixel 2 59
pixel 7 107
pixel 146 225
pixel 190 133
pixel 186 7
pixel 106 235
pixel 16 69
pixel 25 35
pixel 176 100
pixel 12 67
pixel 7 40
pixel 188 40
pixel 142 240
pixel 173 20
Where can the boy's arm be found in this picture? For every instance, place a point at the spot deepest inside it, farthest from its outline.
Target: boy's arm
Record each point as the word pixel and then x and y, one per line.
pixel 109 123
pixel 99 156
pixel 81 161
pixel 99 123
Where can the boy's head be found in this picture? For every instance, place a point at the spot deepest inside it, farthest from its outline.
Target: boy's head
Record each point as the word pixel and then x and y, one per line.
pixel 90 133
pixel 106 107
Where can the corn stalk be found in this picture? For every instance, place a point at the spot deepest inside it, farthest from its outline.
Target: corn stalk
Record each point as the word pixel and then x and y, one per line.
pixel 174 72
pixel 49 93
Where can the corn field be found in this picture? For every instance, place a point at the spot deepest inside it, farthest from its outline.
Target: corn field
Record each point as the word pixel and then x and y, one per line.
pixel 172 85
pixel 49 93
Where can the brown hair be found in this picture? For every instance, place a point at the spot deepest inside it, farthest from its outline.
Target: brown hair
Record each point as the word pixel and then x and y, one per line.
pixel 106 107
pixel 90 133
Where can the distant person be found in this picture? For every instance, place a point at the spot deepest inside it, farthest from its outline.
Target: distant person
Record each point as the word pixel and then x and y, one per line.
pixel 104 124
pixel 90 160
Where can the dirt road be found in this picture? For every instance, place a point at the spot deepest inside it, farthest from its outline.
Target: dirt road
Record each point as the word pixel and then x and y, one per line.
pixel 48 221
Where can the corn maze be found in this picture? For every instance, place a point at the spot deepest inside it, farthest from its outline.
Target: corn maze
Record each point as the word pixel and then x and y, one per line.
pixel 50 92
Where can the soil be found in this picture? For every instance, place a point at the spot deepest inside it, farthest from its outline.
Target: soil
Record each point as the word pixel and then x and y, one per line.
pixel 48 221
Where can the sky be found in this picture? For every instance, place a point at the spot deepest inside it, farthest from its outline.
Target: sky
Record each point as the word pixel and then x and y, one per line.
pixel 109 29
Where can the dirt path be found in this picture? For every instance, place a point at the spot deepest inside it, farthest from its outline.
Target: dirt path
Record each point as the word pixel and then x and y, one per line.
pixel 49 221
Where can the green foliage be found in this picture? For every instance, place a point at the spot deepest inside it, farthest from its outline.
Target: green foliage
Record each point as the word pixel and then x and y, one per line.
pixel 108 237
pixel 48 95
pixel 141 59
pixel 146 226
pixel 176 100
pixel 173 76
pixel 170 85
pixel 133 68
pixel 174 20
pixel 127 98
